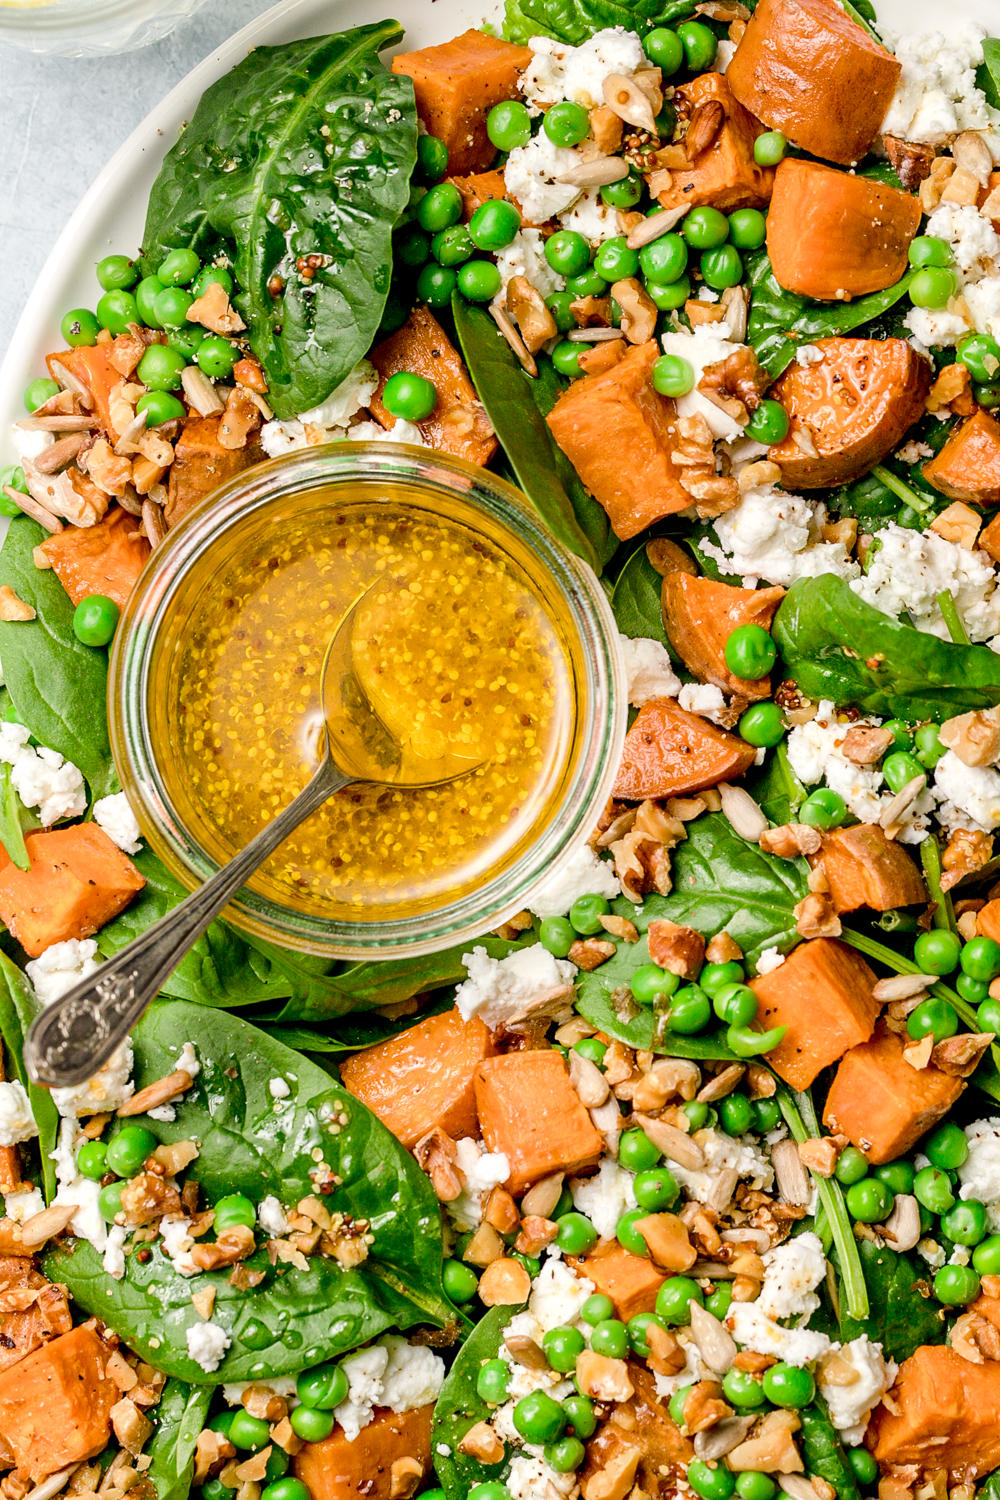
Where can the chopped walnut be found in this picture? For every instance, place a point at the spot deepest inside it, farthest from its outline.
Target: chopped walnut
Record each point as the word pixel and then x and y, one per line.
pixel 704 1406
pixel 435 1153
pixel 527 307
pixel 639 311
pixel 606 128
pixel 240 418
pixel 678 949
pixel 815 917
pixel 910 160
pixel 536 1235
pixel 959 1055
pixel 211 1451
pixel 248 372
pixel 974 737
pixel 604 1378
pixel 129 1425
pixel 621 927
pixel 723 949
pixel 772 1449
pixel 761 473
pixel 739 377
pixel 590 953
pixel 819 1155
pixel 111 474
pixel 230 1245
pixel 974 1338
pixel 967 850
pixel 863 746
pixel 504 1283
pixel 962 188
pixel 952 391
pixel 501 1211
pixel 959 523
pixel 148 1197
pixel 214 311
pixel 790 840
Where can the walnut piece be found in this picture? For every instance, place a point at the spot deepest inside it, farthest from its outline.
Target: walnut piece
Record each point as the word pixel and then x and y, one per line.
pixel 527 307
pixel 678 949
pixel 791 840
pixel 959 523
pixel 911 160
pixel 815 917
pixel 974 737
pixel 863 746
pixel 590 953
pixel 436 1154
pixel 639 311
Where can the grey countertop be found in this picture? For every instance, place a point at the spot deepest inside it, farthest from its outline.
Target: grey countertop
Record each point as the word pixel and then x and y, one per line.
pixel 63 118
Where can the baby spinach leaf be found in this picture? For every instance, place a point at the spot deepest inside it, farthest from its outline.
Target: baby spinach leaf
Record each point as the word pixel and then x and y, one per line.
pixel 18 1008
pixel 901 1318
pixel 257 1145
pixel 988 72
pixel 776 787
pixel 57 685
pixel 781 320
pixel 636 599
pixel 836 646
pixel 502 387
pixel 576 20
pixel 303 149
pixel 15 820
pixel 823 1450
pixel 180 1416
pixel 459 1407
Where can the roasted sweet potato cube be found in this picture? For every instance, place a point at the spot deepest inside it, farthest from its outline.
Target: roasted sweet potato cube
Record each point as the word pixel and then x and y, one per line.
pixel 968 466
pixel 699 616
pixel 103 559
pixel 200 465
pixel 834 236
pixel 806 69
pixel 724 174
pixel 662 1446
pixel 529 1110
pixel 823 994
pixel 422 1078
pixel 336 1469
pixel 882 1103
pixel 943 1415
pixel 23 1329
pixel 55 1403
pixel 858 402
pixel 458 423
pixel 866 868
pixel 78 880
pixel 631 1281
pixel 619 435
pixel 669 752
pixel 988 920
pixel 92 365
pixel 456 85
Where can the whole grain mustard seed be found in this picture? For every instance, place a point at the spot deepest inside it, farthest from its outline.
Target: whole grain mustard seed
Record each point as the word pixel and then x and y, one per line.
pixel 456 654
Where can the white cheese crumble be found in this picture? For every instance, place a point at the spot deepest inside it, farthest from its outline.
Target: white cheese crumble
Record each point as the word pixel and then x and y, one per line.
pixel 530 177
pixel 558 1295
pixel 753 1329
pixel 17 1123
pixel 908 571
pixel 525 256
pixel 401 431
pixel 558 71
pixel 979 1174
pixel 578 873
pixel 815 755
pixel 970 795
pixel 721 1150
pixel 278 1088
pixel 61 966
pixel 271 1217
pixel 353 393
pixel 769 960
pixel 497 989
pixel 522 1380
pixel 364 1371
pixel 791 1272
pixel 114 1251
pixel 119 822
pixel 207 1343
pixel 936 96
pixel 591 217
pixel 23 1205
pixel 809 354
pixel 28 445
pixel 79 1191
pixel 531 1478
pixel 649 670
pixel 412 1377
pixel 703 698
pixel 706 344
pixel 850 1406
pixel 42 778
pixel 777 537
pixel 604 1198
pixel 188 1060
pixel 481 1171
pixel 177 1244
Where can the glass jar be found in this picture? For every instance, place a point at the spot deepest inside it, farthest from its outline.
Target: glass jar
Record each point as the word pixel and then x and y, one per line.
pixel 90 28
pixel 151 636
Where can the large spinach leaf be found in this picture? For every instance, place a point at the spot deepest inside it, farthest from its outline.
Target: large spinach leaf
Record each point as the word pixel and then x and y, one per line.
pixel 988 72
pixel 177 1421
pixel 836 646
pixel 901 1319
pixel 503 388
pixel 576 20
pixel 253 1144
pixel 460 1407
pixel 18 1008
pixel 781 320
pixel 57 686
pixel 636 599
pixel 824 1453
pixel 302 150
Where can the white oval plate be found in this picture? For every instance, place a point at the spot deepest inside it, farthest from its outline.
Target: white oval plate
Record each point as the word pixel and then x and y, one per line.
pixel 111 216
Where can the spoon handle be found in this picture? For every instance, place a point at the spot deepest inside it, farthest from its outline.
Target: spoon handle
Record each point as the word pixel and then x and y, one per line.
pixel 76 1034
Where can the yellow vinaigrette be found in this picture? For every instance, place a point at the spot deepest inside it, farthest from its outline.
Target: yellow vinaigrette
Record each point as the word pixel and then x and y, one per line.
pixel 452 655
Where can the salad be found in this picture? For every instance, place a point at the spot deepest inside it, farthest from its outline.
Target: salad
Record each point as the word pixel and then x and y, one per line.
pixel 687 1179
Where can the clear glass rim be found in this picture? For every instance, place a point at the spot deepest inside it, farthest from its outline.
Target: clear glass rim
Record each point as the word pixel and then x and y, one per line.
pixel 368 463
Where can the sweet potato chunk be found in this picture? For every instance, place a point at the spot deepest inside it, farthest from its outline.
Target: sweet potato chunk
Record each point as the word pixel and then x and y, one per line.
pixel 669 752
pixel 631 1281
pixel 652 1430
pixel 725 173
pixel 103 559
pixel 456 85
pixel 92 365
pixel 338 1470
pixel 26 1327
pixel 423 1077
pixel 988 920
pixel 883 1104
pixel 834 236
pixel 529 1110
pixel 823 994
pixel 458 423
pixel 603 418
pixel 700 615
pixel 943 1415
pixel 55 1403
pixel 78 880
pixel 865 868
pixel 857 402
pixel 968 466
pixel 200 465
pixel 806 69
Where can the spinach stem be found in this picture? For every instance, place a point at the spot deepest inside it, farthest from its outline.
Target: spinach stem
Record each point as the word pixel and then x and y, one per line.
pixel 800 1117
pixel 952 618
pixel 915 501
pixel 944 911
pixel 903 965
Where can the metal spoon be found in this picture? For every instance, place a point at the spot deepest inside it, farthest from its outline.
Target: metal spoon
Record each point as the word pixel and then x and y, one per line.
pixel 77 1033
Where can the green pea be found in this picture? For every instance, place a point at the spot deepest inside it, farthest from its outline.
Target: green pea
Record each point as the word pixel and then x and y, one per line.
pixel 722 267
pixel 491 1490
pixel 80 328
pixel 92 1160
pixel 650 982
pixel 580 1417
pixel 788 1385
pixel 748 1043
pixel 160 368
pixel 494 224
pixel 665 259
pixel 934 1018
pixel 610 1338
pixel 179 268
pixel 933 287
pixel 870 1201
pixel 980 959
pixel 769 148
pixel 586 913
pixel 409 396
pixel 700 46
pixel 718 1303
pixel 973 990
pixel 249 1432
pixel 690 1010
pixel 116 273
pixel 432 156
pixel 762 725
pixel 567 252
pixel 172 305
pixel 160 407
pixel 215 357
pixel 672 375
pixel 932 1188
pixel 212 276
pixel 12 477
pixel 664 49
pixel 624 193
pixel 986 1256
pixel 966 1223
pixel 587 284
pixel 479 280
pixel 947 1147
pixel 576 1234
pixel 459 1280
pixel 677 1404
pixel 233 1210
pixel 557 935
pixel 538 1418
pixel 109 1201
pixel 735 1114
pixel 736 1004
pixel 902 739
pixel 928 250
pixel 324 1386
pixel 668 296
pixel 752 1486
pixel 711 1481
pixel 615 261
pixel 673 1300
pixel 656 1189
pixel 769 423
pixel 989 1016
pixel 900 769
pixel 636 1151
pixel 597 1308
pixel 714 977
pixel 286 1489
pixel 439 207
pixel 186 341
pixel 928 746
pixel 742 1389
pixel 988 395
pixel 823 808
pixel 38 392
pixel 508 125
pixel 564 1455
pixel 311 1424
pixel 750 652
pixel 435 285
pixel 705 228
pixel 560 305
pixel 628 1236
pixel 747 228
pixel 981 356
pixel 222 1421
pixel 493 1382
pixel 590 1048
pixel 766 1115
pixel 146 293
pixel 129 1149
pixel 956 1286
pixel 116 310
pixel 864 1464
pixel 566 124
pixel 95 620
pixel 697 1113
pixel 897 1175
pixel 563 1346
pixel 212 1489
pixel 411 246
pixel 638 1332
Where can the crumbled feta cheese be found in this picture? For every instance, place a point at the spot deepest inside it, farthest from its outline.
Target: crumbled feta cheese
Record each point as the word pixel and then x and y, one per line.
pixel 412 1377
pixel 531 1478
pixel 277 438
pixel 648 669
pixel 177 1244
pixel 769 960
pixel 911 568
pixel 281 1385
pixel 591 217
pixel 932 1253
pixel 28 445
pixel 604 1198
pixel 970 794
pixel 17 1123
pixel 970 234
pixel 850 1406
pixel 753 1329
pixel 557 71
pixel 706 344
pixel 116 817
pixel 207 1343
pixel 579 873
pixel 75 1189
pixel 481 1171
pixel 498 988
pixel 23 1205
pixel 271 1217
pixel 703 698
pixel 401 431
pixel 525 256
pixel 188 1060
pixel 913 451
pixel 777 537
pixel 936 96
pixel 353 393
pixel 721 1150
pixel 791 1271
pixel 165 1113
pixel 809 354
pixel 530 177
pixel 558 1295
pixel 982 298
pixel 979 1174
pixel 522 1380
pixel 278 1088
pixel 107 1091
pixel 814 754
pixel 937 328
pixel 114 1251
pixel 42 779
pixel 61 966
pixel 364 1371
